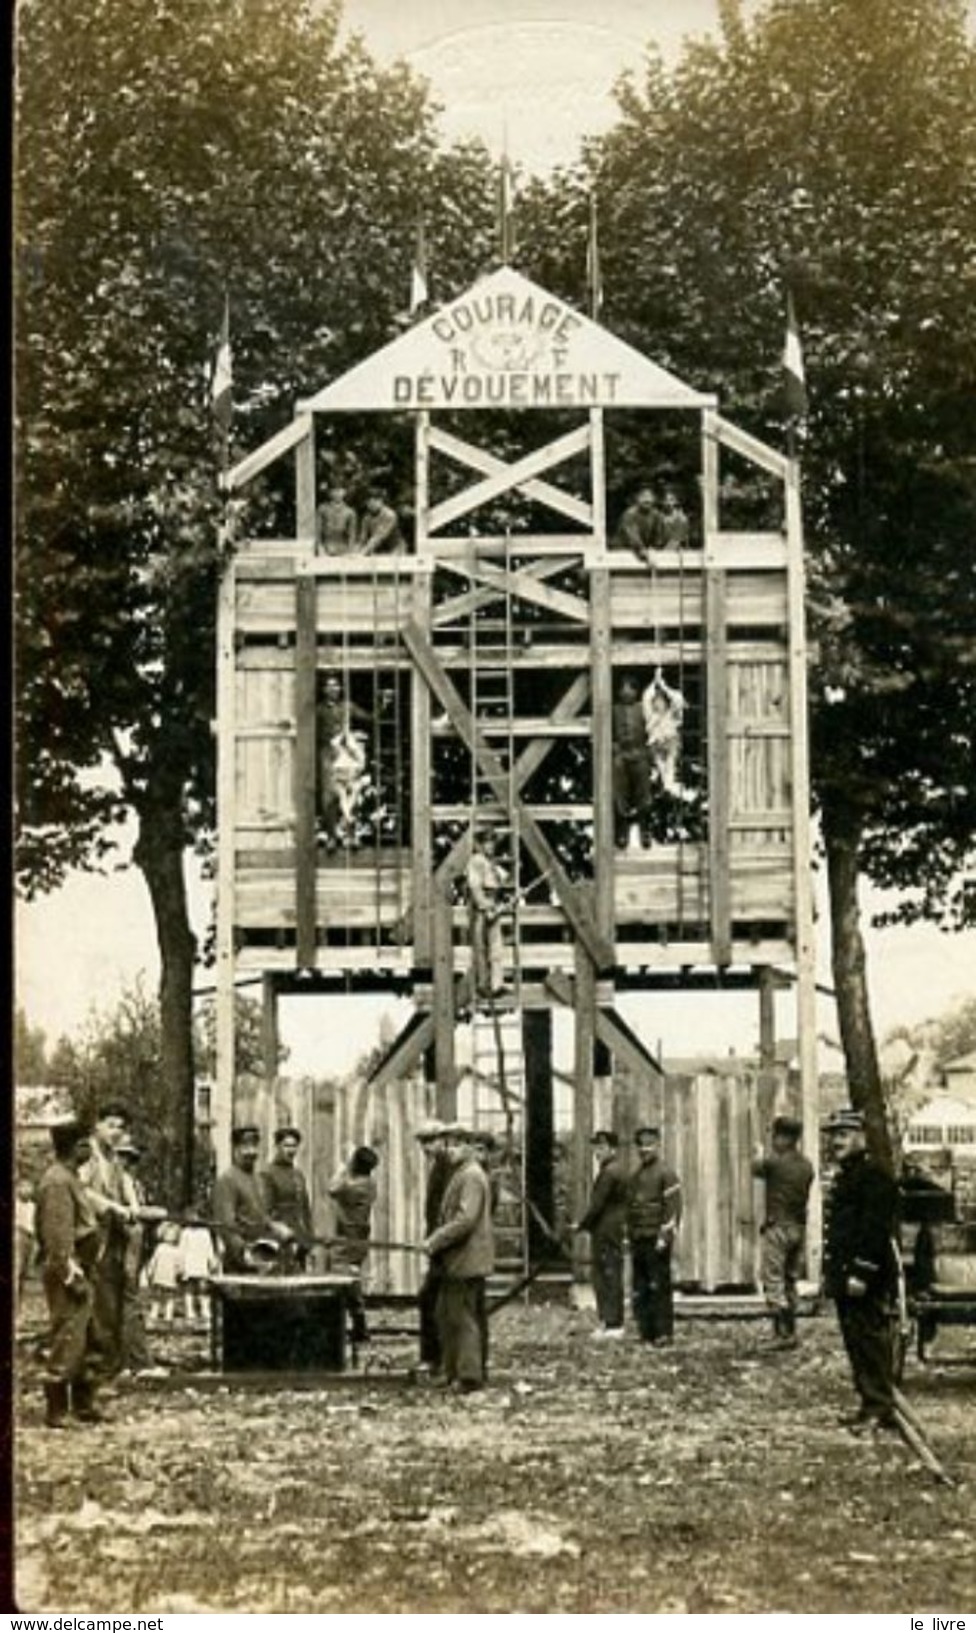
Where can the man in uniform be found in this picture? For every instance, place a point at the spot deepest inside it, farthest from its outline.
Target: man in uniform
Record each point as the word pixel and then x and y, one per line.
pixel 68 1244
pixel 640 527
pixel 653 1215
pixel 335 524
pixel 464 1242
pixel 430 1138
pixel 286 1197
pixel 136 1355
pixel 631 765
pixel 787 1175
pixel 115 1203
pixel 604 1219
pixel 674 522
pixel 239 1208
pixel 861 1267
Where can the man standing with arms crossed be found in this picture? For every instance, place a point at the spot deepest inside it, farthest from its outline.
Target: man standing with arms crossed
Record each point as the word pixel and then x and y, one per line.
pixel 464 1243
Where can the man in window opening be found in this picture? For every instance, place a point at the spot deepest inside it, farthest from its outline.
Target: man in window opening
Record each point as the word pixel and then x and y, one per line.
pixel 641 527
pixel 381 527
pixel 335 524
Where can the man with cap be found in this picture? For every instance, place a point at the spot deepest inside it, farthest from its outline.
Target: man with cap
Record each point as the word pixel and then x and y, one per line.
pixel 486 881
pixel 464 1243
pixel 861 1266
pixel 430 1138
pixel 115 1203
pixel 136 1356
pixel 68 1245
pixel 787 1176
pixel 653 1215
pixel 239 1209
pixel 604 1219
pixel 285 1192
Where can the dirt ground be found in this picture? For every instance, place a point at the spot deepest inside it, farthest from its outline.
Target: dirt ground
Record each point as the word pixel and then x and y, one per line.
pixel 589 1477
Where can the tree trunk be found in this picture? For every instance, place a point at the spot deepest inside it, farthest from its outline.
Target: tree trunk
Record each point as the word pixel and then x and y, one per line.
pixel 842 830
pixel 159 856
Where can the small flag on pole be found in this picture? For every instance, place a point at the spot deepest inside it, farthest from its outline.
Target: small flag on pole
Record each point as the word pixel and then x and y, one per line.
pixel 795 382
pixel 506 195
pixel 222 379
pixel 594 278
pixel 418 274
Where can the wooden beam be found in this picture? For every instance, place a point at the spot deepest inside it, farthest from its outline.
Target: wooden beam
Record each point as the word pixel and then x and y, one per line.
pixel 419 913
pixel 405 1052
pixel 527 587
pixel 581 1166
pixel 767 1017
pixel 460 606
pixel 601 638
pixel 281 443
pixel 750 447
pixel 443 999
pixel 225 1011
pixel 306 765
pixel 305 495
pixel 624 1043
pixel 716 667
pixel 495 774
pixel 521 474
pixel 269 1027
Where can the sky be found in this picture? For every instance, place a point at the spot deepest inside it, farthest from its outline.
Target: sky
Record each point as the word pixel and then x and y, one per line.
pixel 535 76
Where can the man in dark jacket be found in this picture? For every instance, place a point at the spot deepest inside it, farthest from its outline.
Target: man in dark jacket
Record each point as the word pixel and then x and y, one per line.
pixel 653 1215
pixel 68 1244
pixel 464 1242
pixel 631 765
pixel 788 1176
pixel 604 1219
pixel 285 1192
pixel 239 1208
pixel 861 1266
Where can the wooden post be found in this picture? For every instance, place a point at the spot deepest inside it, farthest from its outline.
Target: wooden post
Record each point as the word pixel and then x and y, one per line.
pixel 716 680
pixel 806 957
pixel 539 1123
pixel 601 711
pixel 306 757
pixel 223 1102
pixel 305 497
pixel 767 1018
pixel 581 1166
pixel 269 1027
pixel 445 1067
pixel 421 507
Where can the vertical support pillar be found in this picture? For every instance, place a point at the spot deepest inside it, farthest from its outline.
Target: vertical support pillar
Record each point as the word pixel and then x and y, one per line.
pixel 806 958
pixel 222 1110
pixel 601 715
pixel 716 681
pixel 306 860
pixel 445 1067
pixel 269 1027
pixel 767 1018
pixel 421 507
pixel 423 849
pixel 540 1123
pixel 305 486
pixel 581 1166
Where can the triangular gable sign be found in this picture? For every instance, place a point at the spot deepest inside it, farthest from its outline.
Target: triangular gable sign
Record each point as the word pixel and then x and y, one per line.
pixel 505 343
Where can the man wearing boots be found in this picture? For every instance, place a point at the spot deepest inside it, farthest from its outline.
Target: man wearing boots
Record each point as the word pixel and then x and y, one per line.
pixel 787 1176
pixel 113 1199
pixel 68 1244
pixel 464 1241
pixel 862 1268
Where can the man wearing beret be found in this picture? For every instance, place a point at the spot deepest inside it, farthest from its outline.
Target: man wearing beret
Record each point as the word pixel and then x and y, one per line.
pixel 861 1267
pixel 653 1215
pixel 464 1244
pixel 787 1176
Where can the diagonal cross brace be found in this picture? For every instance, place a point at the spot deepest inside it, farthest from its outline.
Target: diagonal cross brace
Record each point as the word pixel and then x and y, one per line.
pixel 470 600
pixel 424 657
pixel 501 478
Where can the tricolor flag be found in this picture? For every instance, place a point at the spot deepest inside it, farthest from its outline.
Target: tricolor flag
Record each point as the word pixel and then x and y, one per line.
pixel 506 196
pixel 418 274
pixel 222 379
pixel 594 277
pixel 795 380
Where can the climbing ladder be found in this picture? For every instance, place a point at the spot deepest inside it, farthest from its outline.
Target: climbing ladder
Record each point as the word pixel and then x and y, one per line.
pixel 498 1075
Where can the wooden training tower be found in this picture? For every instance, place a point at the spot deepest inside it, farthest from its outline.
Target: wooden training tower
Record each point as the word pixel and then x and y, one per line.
pixel 484 659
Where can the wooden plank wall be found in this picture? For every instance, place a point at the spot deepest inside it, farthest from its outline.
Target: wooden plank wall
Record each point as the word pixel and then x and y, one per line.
pixel 711 1124
pixel 333 1119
